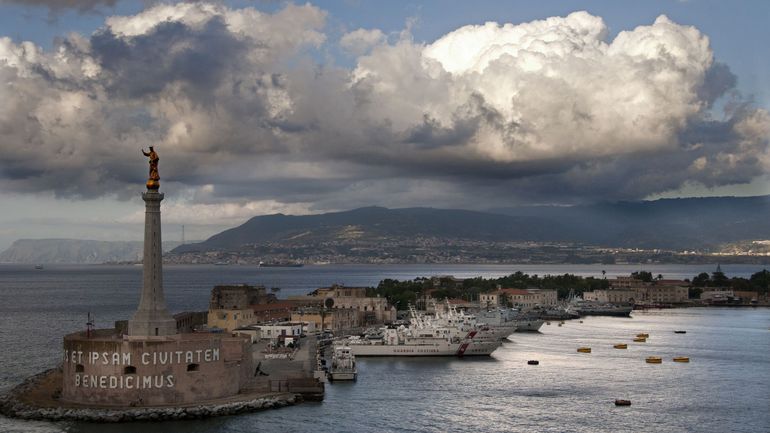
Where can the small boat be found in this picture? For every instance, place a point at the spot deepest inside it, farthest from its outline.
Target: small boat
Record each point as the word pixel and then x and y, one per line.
pixel 681 359
pixel 654 360
pixel 560 324
pixel 584 349
pixel 621 346
pixel 640 340
pixel 642 335
pixel 533 362
pixel 38 267
pixel 343 364
pixel 680 332
pixel 620 402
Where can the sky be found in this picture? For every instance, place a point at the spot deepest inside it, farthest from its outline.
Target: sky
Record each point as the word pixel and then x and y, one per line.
pixel 261 107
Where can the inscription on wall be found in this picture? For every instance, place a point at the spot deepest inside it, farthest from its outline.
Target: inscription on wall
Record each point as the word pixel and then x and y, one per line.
pixel 131 380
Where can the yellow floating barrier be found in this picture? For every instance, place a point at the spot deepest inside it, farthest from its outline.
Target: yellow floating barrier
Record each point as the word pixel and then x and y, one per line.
pixel 584 349
pixel 621 346
pixel 654 360
pixel 642 335
pixel 681 359
pixel 640 340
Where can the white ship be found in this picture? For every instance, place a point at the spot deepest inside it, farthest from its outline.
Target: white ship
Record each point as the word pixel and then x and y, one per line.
pixel 403 341
pixel 529 325
pixel 491 325
pixel 426 336
pixel 343 364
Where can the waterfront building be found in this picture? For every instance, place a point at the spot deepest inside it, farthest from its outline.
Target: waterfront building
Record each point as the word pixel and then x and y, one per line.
pixel 613 296
pixel 525 299
pixel 271 331
pixel 278 311
pixel 369 309
pixel 229 319
pixel 626 283
pixel 231 306
pixel 328 319
pixel 663 294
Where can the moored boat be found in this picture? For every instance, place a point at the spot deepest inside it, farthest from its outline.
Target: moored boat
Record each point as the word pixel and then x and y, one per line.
pixel 584 349
pixel 681 359
pixel 343 364
pixel 590 308
pixel 621 346
pixel 654 360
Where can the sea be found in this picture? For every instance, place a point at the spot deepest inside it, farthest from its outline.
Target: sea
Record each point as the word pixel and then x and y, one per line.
pixel 724 388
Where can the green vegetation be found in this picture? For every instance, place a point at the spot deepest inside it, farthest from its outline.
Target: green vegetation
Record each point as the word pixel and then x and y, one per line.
pixel 758 282
pixel 402 293
pixel 405 292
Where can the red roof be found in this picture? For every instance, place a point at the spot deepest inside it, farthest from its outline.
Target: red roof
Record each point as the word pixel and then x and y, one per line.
pixel 672 283
pixel 515 291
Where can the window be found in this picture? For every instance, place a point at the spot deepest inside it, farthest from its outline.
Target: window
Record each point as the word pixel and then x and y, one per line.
pixel 129 369
pixel 79 368
pixel 193 367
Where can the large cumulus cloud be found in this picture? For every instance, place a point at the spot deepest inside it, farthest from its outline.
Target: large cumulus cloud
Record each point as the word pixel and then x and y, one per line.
pixel 242 112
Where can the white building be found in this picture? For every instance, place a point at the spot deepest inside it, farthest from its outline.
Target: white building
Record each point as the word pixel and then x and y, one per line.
pixel 272 331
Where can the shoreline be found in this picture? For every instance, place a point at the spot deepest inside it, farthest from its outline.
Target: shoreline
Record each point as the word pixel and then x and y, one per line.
pixel 36 398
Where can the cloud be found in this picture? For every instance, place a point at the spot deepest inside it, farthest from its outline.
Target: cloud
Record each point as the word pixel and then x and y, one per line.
pixel 81 6
pixel 360 41
pixel 246 119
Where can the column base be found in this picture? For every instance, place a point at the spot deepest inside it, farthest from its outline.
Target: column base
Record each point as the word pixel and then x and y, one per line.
pixel 145 323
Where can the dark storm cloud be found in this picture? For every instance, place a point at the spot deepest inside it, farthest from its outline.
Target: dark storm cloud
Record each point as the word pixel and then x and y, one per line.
pixel 171 52
pixel 60 5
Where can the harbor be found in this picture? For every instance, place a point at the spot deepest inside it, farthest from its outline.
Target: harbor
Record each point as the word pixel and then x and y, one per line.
pixel 727 349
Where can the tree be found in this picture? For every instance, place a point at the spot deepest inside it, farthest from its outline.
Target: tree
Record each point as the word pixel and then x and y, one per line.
pixel 760 281
pixel 643 275
pixel 719 279
pixel 701 280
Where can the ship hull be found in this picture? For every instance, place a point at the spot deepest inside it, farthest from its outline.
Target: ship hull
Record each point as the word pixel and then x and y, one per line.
pixel 482 348
pixel 529 325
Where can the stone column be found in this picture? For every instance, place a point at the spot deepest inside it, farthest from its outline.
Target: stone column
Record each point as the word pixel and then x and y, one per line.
pixel 152 318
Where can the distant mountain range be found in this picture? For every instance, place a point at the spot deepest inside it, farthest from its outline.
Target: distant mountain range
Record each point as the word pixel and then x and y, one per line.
pixel 75 251
pixel 426 235
pixel 675 224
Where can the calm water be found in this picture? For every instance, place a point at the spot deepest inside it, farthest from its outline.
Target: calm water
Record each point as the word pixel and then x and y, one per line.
pixel 725 387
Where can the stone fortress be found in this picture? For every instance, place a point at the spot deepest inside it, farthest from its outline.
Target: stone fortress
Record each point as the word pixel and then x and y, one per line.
pixel 153 364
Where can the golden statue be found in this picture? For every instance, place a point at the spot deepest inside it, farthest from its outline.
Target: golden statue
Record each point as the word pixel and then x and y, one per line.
pixel 153 182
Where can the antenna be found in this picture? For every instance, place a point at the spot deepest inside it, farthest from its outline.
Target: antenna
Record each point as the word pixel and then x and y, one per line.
pixel 182 234
pixel 89 326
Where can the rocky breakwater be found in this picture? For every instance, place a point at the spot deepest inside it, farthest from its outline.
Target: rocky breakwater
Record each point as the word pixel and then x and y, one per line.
pixel 37 399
